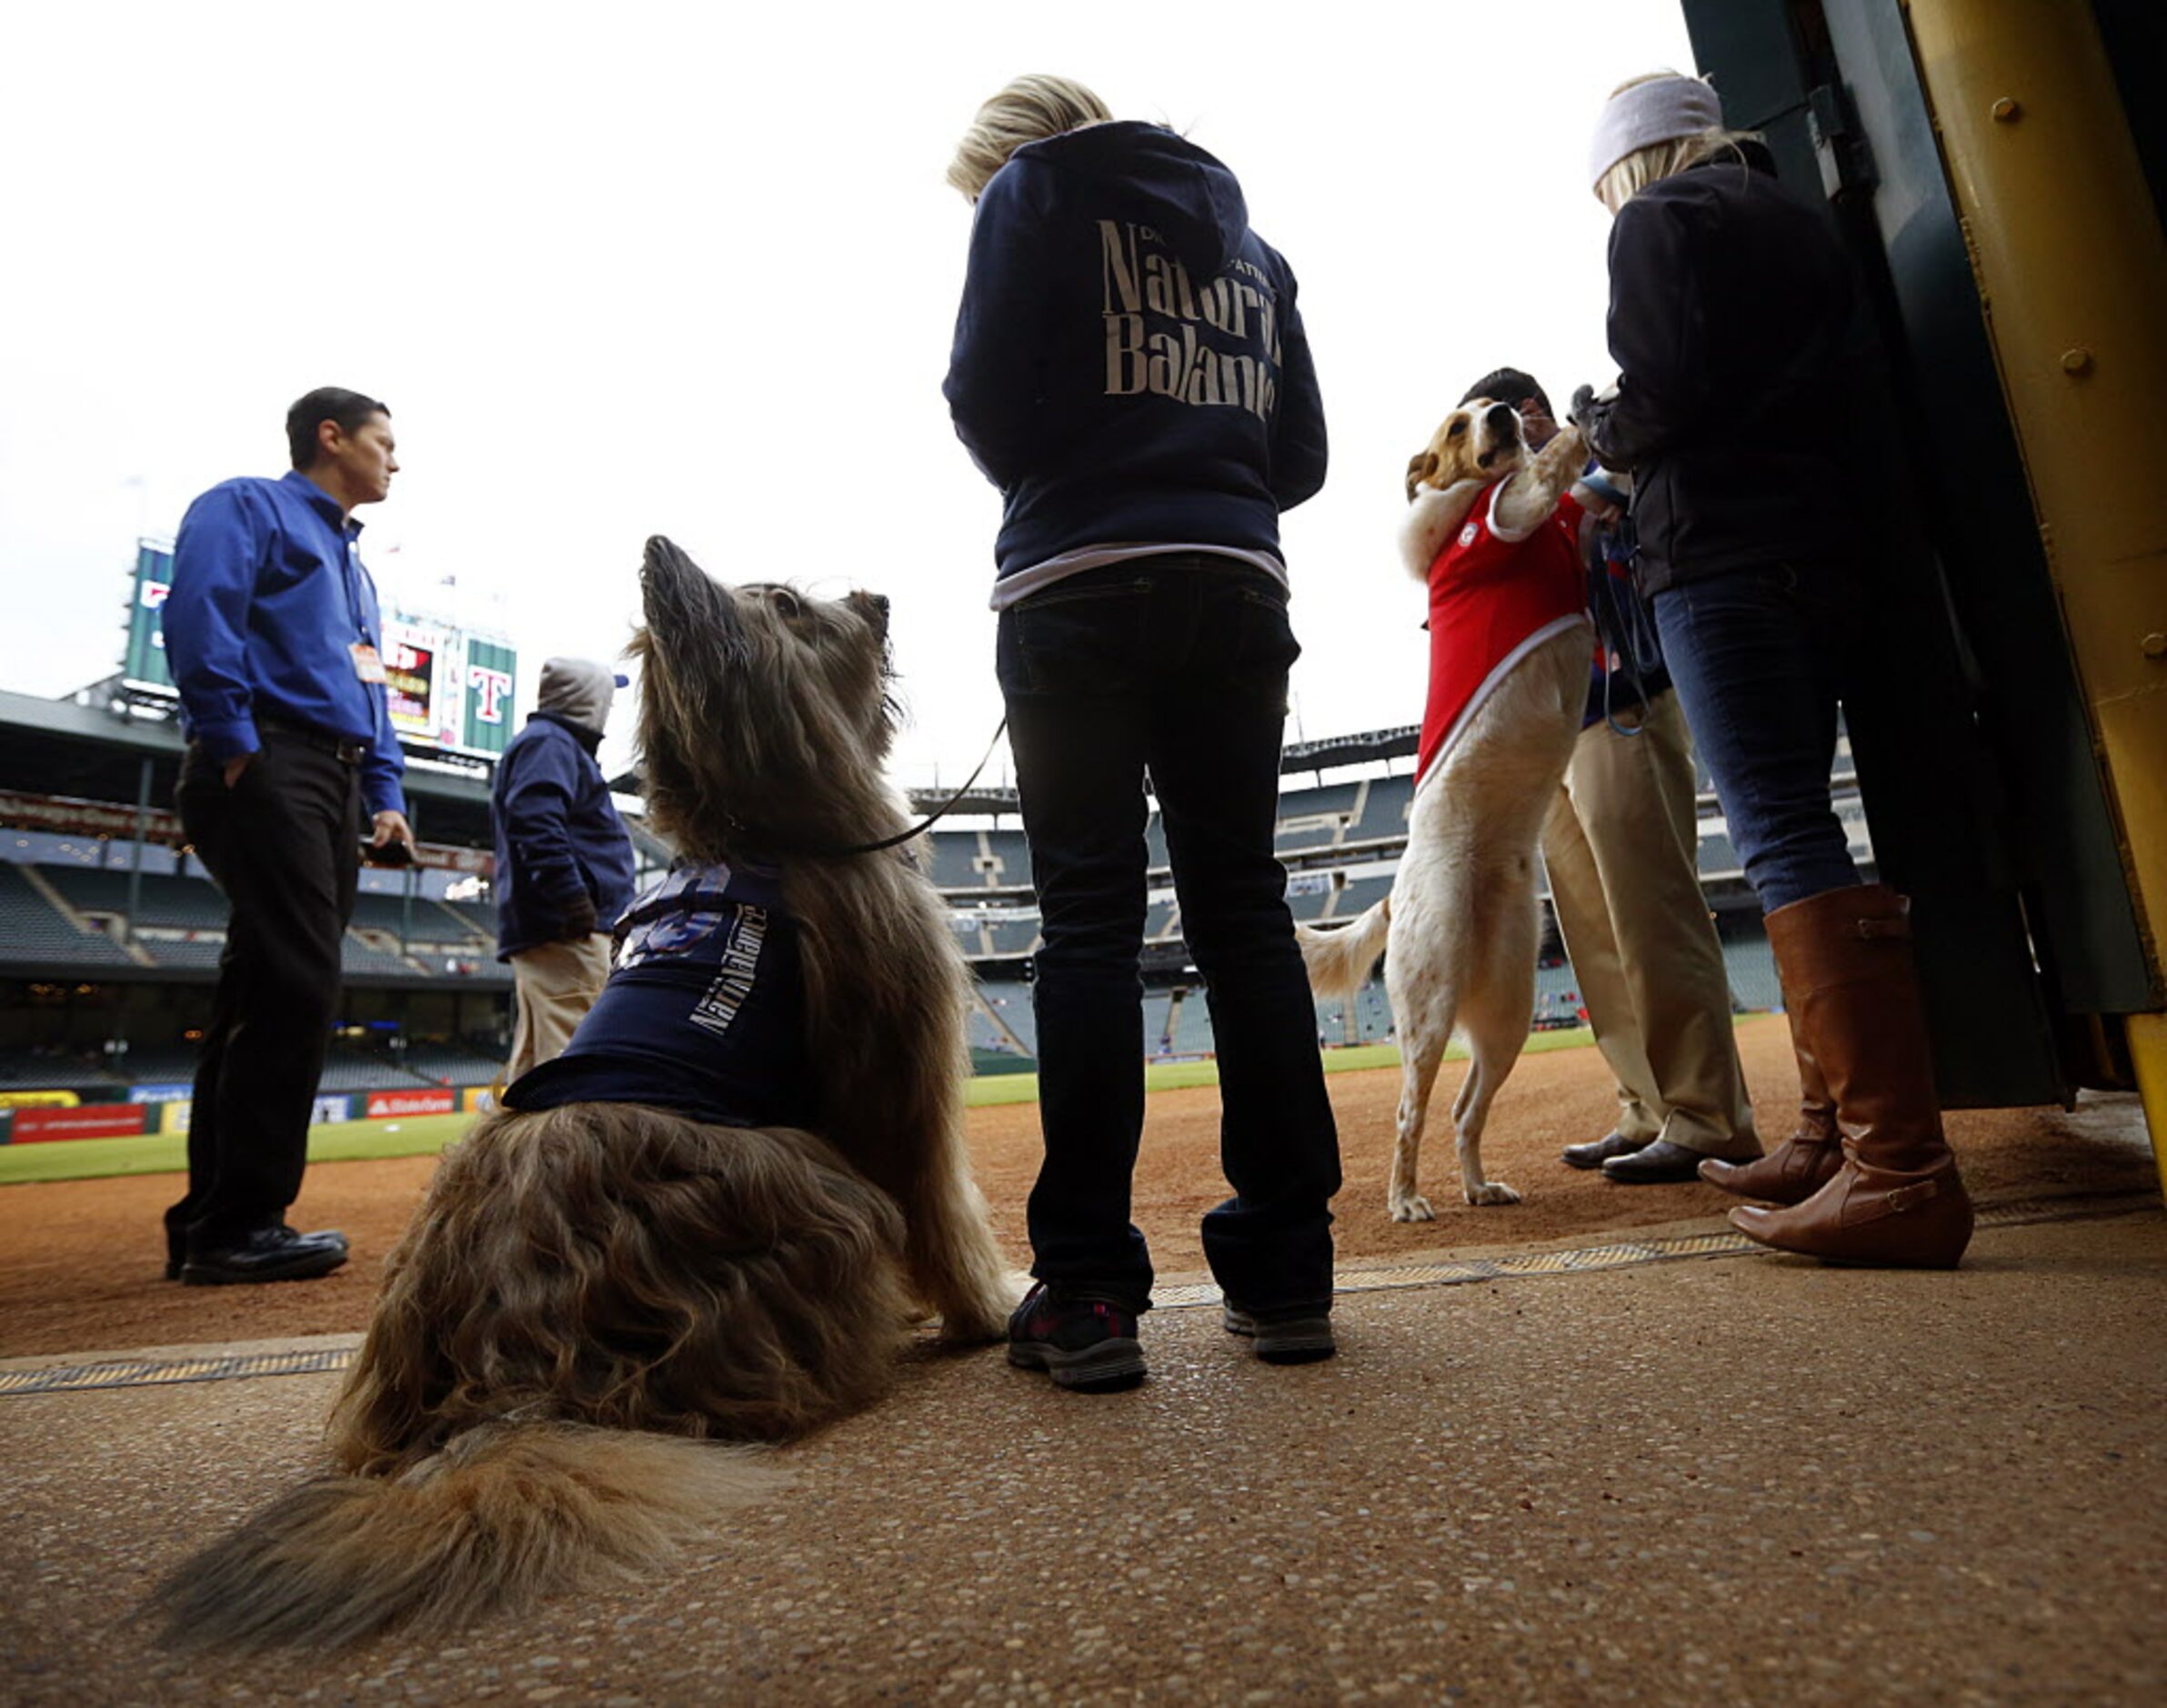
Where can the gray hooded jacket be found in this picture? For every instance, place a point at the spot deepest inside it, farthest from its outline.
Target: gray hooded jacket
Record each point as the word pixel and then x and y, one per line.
pixel 564 860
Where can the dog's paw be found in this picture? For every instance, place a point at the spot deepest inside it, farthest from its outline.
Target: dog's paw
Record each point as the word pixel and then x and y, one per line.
pixel 1493 1193
pixel 974 1322
pixel 1414 1207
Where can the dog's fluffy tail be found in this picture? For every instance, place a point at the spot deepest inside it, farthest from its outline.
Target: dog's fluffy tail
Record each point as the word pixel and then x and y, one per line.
pixel 1337 961
pixel 503 1515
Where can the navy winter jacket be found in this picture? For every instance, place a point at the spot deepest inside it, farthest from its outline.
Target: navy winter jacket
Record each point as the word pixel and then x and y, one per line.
pixel 1731 323
pixel 1129 366
pixel 562 852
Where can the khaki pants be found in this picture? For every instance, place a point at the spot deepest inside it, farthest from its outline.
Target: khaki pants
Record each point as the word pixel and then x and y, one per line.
pixel 1619 844
pixel 556 984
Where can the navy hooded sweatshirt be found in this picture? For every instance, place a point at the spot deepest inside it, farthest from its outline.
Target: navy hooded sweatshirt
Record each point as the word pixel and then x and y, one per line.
pixel 563 855
pixel 1129 366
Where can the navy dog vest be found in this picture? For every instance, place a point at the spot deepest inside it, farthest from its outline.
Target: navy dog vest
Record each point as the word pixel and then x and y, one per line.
pixel 704 1014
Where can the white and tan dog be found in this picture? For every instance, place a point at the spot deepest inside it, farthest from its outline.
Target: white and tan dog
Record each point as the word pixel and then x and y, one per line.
pixel 1510 653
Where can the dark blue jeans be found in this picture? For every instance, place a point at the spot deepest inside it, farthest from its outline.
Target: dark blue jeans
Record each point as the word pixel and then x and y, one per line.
pixel 1174 666
pixel 1757 658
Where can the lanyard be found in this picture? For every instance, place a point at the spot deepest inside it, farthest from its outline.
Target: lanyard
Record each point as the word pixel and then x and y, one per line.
pixel 350 567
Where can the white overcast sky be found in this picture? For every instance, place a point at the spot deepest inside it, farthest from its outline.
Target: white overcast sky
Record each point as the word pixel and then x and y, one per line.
pixel 692 269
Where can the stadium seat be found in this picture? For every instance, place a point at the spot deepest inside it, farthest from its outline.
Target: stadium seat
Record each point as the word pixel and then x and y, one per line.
pixel 1384 810
pixel 955 854
pixel 203 952
pixel 1007 861
pixel 359 956
pixel 55 1069
pixel 1752 966
pixel 159 1064
pixel 1716 857
pixel 1357 896
pixel 1311 904
pixel 1315 817
pixel 165 898
pixel 1192 1024
pixel 1012 937
pixel 33 932
pixel 452 1062
pixel 1011 1006
pixel 479 916
pixel 1155 845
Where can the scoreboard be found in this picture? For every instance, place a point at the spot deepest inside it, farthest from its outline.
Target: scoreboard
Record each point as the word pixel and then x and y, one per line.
pixel 450 689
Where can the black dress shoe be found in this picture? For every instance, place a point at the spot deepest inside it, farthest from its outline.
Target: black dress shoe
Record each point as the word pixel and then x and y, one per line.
pixel 1598 1152
pixel 268 1254
pixel 1654 1165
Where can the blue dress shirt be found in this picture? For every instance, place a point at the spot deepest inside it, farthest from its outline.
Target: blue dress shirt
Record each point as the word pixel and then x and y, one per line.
pixel 268 600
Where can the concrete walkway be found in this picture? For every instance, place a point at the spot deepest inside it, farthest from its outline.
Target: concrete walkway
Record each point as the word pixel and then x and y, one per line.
pixel 1744 1479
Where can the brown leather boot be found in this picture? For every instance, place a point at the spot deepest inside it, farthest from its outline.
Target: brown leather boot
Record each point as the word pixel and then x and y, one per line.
pixel 1804 1163
pixel 1846 961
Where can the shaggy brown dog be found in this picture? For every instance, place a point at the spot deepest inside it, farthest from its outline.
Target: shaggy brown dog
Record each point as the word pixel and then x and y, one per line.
pixel 593 1294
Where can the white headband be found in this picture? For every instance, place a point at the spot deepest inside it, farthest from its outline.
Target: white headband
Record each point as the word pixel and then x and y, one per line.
pixel 1658 112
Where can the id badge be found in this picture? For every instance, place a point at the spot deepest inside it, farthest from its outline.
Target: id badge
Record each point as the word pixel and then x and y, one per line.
pixel 367 665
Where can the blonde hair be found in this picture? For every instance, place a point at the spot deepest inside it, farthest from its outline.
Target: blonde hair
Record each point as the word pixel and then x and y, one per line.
pixel 1645 165
pixel 1028 110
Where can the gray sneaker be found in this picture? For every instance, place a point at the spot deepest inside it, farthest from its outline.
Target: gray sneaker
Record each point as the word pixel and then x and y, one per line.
pixel 1300 1334
pixel 1086 1344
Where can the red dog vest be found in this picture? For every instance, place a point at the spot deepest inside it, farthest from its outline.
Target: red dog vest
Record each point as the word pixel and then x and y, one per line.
pixel 1494 601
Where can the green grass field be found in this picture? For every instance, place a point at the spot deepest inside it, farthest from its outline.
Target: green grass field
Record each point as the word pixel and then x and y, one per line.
pixel 159 1153
pixel 1174 1076
pixel 357 1141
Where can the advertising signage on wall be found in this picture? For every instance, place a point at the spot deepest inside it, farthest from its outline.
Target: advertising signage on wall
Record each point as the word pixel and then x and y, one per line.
pixel 386 1103
pixel 410 685
pixel 485 697
pixel 145 663
pixel 85 1120
pixel 448 689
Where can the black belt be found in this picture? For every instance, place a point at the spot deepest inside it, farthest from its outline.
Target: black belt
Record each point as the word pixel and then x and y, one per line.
pixel 344 748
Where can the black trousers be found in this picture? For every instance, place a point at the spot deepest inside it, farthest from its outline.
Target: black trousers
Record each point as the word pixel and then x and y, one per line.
pixel 283 845
pixel 1175 666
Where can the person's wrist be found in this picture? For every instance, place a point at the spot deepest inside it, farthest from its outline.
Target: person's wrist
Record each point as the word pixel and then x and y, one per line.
pixel 233 739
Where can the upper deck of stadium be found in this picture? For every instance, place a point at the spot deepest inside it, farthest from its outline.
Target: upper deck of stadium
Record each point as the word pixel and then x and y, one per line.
pixel 97 891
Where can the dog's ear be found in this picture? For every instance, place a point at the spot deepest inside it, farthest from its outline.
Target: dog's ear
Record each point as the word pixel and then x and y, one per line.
pixel 1419 467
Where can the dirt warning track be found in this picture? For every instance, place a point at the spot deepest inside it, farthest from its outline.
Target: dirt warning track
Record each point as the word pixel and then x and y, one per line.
pixel 81 1262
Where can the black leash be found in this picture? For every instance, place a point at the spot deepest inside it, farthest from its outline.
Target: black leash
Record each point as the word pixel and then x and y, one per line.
pixel 927 823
